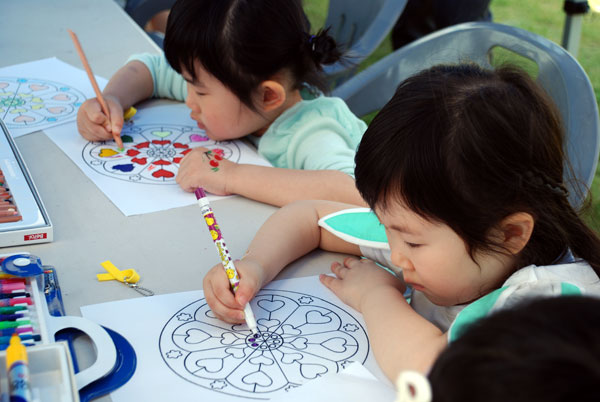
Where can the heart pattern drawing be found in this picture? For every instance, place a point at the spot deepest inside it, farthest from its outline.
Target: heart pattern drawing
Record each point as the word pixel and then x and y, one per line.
pixel 152 146
pixel 301 337
pixel 30 104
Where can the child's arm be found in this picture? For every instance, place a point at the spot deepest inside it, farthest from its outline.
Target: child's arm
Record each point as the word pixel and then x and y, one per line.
pixel 129 85
pixel 275 186
pixel 288 234
pixel 401 338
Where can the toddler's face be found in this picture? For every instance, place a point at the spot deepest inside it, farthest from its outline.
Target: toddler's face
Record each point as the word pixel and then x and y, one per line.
pixel 217 110
pixel 435 261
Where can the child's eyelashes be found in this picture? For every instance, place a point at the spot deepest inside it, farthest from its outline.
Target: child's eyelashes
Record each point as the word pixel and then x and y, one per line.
pixel 412 245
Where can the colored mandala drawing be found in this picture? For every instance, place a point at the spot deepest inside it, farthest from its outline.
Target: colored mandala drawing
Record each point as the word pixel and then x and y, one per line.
pixel 28 102
pixel 152 152
pixel 301 337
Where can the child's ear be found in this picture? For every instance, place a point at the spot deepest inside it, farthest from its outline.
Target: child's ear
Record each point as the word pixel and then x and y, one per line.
pixel 516 230
pixel 272 95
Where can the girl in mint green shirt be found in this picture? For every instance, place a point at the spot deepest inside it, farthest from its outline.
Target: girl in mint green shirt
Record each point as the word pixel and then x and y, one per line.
pixel 243 69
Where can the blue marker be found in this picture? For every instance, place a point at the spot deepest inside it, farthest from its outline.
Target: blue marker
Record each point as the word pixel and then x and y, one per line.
pixel 11 317
pixel 18 371
pixel 5 340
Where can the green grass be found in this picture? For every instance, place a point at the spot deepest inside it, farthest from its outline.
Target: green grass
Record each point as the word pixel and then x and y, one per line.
pixel 545 18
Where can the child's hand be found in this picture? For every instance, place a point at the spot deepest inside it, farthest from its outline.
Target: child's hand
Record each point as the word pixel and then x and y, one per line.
pixel 224 304
pixel 358 278
pixel 205 168
pixel 93 124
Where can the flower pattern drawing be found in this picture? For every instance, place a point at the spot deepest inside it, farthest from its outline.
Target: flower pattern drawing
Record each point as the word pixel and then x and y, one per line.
pixel 152 152
pixel 301 337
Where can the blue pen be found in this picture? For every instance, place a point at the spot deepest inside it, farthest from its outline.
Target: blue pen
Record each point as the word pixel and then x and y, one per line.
pixel 52 292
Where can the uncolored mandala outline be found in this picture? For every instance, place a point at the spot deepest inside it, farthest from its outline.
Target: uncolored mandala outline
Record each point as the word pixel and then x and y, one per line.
pixel 300 339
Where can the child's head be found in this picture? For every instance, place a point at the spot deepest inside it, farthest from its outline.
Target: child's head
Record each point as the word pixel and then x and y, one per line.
pixel 478 152
pixel 544 350
pixel 257 50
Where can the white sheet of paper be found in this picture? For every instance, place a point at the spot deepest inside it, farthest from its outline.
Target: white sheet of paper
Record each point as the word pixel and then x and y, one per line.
pixel 184 353
pixel 141 179
pixel 41 94
pixel 353 384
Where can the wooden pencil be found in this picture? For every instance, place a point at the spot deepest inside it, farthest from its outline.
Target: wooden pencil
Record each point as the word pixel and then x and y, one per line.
pixel 90 74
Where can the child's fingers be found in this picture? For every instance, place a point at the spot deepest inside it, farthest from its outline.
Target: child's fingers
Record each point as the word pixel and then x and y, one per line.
pixel 222 311
pixel 116 118
pixel 219 295
pixel 246 290
pixel 339 270
pixel 94 114
pixel 93 132
pixel 331 283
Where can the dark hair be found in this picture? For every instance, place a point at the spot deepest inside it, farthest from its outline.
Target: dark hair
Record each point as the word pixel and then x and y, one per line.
pixel 244 42
pixel 467 147
pixel 543 350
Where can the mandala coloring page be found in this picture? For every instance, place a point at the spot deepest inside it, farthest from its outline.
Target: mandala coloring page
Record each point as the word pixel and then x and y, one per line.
pixel 26 102
pixel 153 152
pixel 301 337
pixel 42 94
pixel 185 353
pixel 141 177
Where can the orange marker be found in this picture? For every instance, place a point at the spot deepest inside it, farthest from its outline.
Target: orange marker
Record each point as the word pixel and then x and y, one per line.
pixel 88 70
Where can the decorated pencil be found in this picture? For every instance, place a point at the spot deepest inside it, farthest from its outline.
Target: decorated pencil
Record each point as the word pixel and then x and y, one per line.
pixel 217 236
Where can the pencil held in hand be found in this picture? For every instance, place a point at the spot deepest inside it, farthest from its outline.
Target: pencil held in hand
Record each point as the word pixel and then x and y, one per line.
pixel 90 74
pixel 232 275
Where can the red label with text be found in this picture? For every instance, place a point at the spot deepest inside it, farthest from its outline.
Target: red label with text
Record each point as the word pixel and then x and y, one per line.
pixel 36 236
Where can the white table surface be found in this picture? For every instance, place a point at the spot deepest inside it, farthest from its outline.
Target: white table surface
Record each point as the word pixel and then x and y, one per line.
pixel 171 250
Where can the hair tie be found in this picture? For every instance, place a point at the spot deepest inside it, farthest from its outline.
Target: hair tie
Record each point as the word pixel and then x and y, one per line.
pixel 413 386
pixel 543 181
pixel 310 42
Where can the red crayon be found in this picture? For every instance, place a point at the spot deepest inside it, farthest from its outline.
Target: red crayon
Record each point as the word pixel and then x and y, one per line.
pixel 15 301
pixel 11 287
pixel 11 280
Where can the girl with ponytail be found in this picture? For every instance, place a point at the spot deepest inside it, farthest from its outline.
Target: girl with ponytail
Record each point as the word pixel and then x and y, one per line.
pixel 464 172
pixel 246 68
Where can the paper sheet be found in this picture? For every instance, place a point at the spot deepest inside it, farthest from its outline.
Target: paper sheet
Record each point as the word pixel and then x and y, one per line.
pixel 185 353
pixel 42 94
pixel 141 179
pixel 353 384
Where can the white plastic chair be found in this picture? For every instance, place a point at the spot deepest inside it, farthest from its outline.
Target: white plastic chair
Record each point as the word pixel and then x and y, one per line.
pixel 559 74
pixel 360 26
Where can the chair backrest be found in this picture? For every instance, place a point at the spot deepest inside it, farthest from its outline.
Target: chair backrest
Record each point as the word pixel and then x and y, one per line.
pixel 360 26
pixel 559 74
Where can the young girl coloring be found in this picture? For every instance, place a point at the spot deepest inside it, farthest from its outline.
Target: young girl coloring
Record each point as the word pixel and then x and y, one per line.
pixel 463 169
pixel 245 69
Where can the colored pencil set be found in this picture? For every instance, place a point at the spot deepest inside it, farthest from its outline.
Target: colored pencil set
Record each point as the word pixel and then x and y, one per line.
pixel 15 314
pixel 8 207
